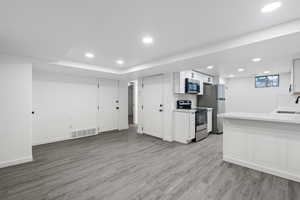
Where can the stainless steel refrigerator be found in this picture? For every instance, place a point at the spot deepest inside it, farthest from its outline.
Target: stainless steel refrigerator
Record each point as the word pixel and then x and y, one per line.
pixel 213 97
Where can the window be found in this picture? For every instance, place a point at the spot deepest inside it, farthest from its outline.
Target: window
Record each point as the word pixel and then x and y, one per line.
pixel 267 81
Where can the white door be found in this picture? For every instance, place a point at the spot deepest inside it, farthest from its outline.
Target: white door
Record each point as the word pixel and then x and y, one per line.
pixel 108 104
pixel 153 106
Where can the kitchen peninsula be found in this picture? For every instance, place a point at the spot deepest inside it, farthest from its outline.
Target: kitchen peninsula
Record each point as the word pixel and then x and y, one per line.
pixel 265 142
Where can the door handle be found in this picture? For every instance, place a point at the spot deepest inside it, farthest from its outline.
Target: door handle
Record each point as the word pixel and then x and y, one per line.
pixel 160 110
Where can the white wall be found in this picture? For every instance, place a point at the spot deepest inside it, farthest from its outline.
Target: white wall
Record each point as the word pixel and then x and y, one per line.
pixel 169 105
pixel 15 113
pixel 242 96
pixel 65 103
pixel 62 104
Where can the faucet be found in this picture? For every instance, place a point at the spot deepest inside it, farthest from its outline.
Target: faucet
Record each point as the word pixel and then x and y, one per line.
pixel 297 100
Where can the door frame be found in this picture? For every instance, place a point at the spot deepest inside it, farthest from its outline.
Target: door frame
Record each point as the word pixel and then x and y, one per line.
pixel 131 104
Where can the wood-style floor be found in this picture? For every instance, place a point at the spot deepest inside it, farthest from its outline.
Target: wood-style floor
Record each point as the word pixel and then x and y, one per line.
pixel 124 165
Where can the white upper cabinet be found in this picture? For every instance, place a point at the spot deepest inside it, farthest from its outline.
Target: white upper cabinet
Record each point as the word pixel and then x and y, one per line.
pixel 296 77
pixel 204 78
pixel 179 80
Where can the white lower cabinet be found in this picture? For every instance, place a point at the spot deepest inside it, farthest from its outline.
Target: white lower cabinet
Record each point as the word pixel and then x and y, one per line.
pixel 184 126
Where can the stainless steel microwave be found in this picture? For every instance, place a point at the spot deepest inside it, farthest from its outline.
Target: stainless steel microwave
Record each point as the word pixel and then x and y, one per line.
pixel 192 86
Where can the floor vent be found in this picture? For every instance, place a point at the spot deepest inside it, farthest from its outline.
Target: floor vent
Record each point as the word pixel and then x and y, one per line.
pixel 84 133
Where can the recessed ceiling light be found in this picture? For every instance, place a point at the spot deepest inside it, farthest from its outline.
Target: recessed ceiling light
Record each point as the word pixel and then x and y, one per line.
pixel 120 62
pixel 231 76
pixel 271 7
pixel 210 67
pixel 241 69
pixel 266 72
pixel 89 55
pixel 147 40
pixel 256 59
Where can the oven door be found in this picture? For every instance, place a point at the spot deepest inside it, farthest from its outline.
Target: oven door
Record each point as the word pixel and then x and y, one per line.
pixel 201 118
pixel 201 124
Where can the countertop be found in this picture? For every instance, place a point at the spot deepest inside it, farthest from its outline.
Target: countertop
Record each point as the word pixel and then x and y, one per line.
pixel 204 108
pixel 185 110
pixel 193 110
pixel 268 117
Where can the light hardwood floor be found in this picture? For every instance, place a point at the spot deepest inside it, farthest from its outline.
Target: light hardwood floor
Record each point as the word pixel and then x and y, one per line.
pixel 124 165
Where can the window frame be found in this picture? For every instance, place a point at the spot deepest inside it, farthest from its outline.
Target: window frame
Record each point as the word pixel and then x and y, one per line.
pixel 266 84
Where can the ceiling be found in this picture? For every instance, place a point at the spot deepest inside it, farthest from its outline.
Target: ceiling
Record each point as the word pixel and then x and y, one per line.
pixel 64 30
pixel 276 57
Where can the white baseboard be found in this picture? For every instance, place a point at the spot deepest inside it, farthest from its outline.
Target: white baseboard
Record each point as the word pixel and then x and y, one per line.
pixel 282 174
pixel 16 162
pixel 52 140
pixel 123 128
pixel 168 140
pixel 60 139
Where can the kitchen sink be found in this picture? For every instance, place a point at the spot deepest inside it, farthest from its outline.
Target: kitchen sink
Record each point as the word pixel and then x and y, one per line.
pixel 288 112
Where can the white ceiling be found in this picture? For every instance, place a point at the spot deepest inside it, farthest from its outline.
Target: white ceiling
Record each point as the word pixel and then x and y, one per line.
pixel 63 30
pixel 277 57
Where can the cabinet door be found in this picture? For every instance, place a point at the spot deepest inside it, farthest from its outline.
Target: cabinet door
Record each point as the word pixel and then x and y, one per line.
pixel 296 76
pixel 181 127
pixel 192 126
pixel 189 74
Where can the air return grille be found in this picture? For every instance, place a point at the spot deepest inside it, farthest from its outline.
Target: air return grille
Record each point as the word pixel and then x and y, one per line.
pixel 83 133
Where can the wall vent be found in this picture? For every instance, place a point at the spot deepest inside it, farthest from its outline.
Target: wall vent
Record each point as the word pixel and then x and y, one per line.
pixel 83 133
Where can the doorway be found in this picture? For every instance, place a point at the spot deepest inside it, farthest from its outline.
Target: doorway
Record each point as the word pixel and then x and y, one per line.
pixel 131 103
